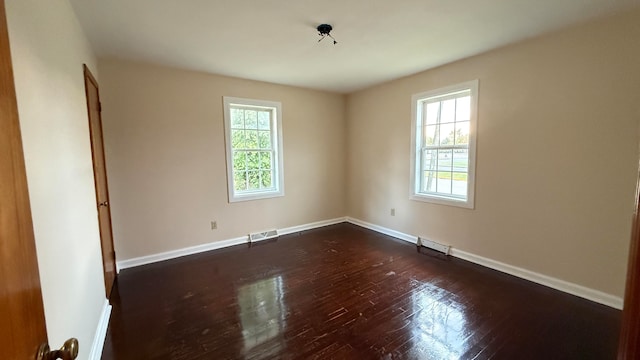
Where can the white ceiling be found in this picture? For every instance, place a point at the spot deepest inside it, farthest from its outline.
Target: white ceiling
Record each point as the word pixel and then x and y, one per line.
pixel 276 40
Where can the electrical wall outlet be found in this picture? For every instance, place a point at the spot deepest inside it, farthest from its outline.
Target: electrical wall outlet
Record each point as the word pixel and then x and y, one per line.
pixel 393 212
pixel 214 225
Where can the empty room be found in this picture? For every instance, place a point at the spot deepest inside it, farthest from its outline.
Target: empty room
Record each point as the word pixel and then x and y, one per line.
pixel 236 179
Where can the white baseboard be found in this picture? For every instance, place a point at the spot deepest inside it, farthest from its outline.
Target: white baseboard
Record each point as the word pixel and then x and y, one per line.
pixel 148 259
pixel 313 225
pixel 383 230
pixel 101 332
pixel 554 283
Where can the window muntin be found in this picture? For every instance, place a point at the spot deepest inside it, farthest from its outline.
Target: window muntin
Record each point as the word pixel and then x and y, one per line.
pixel 254 148
pixel 443 145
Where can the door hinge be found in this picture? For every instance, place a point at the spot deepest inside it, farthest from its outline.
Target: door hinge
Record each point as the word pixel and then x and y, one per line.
pixel 99 106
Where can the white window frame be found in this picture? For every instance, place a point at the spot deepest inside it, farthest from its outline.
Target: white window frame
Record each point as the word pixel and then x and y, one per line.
pixel 276 140
pixel 417 118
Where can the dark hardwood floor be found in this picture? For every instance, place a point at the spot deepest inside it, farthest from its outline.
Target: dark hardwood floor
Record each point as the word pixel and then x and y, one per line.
pixel 344 292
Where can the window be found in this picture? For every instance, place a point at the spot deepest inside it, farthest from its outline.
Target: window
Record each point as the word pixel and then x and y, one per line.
pixel 253 135
pixel 443 145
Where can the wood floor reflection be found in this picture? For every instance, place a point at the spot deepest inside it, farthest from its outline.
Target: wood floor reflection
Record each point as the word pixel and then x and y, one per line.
pixel 344 292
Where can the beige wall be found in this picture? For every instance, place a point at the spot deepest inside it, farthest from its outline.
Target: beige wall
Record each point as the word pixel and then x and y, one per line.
pixel 166 158
pixel 48 49
pixel 557 154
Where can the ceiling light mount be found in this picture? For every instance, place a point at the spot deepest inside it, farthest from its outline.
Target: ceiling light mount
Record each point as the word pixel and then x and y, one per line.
pixel 324 30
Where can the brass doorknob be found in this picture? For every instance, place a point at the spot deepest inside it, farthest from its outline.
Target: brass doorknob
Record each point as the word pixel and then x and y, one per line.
pixel 68 351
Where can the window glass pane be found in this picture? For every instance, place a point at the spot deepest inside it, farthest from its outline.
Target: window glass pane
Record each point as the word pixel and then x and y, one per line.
pixel 265 160
pixel 264 122
pixel 444 182
pixel 448 111
pixel 266 179
pixel 264 139
pixel 459 184
pixel 250 119
pixel 432 113
pixel 446 134
pixel 429 181
pixel 254 180
pixel 239 160
pixel 253 160
pixel 430 133
pixel 239 180
pixel 463 108
pixel 462 133
pixel 237 118
pixel 429 159
pixel 251 139
pixel 237 139
pixel 461 160
pixel 445 160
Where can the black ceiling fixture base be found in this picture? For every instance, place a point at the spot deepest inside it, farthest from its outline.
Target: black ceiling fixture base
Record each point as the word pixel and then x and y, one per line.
pixel 324 30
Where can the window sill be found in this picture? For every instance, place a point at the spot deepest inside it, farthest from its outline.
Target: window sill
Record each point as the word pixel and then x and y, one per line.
pixel 441 200
pixel 256 196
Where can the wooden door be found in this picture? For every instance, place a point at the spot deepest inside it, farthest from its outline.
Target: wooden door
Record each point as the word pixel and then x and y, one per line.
pixel 22 324
pixel 100 177
pixel 630 335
